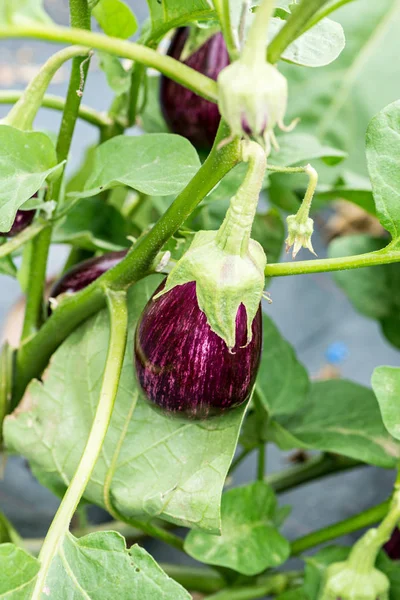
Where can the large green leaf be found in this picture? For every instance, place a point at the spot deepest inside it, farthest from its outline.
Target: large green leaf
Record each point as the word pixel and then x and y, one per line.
pixel 115 18
pixel 23 12
pixel 93 225
pixel 337 102
pixel 157 164
pixel 81 564
pixel 374 291
pixel 342 417
pixel 386 385
pixel 26 159
pixel 383 155
pixel 282 383
pixel 171 13
pixel 18 571
pixel 151 465
pixel 250 541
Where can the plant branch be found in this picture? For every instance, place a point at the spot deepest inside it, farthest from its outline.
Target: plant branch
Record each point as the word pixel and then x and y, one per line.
pixel 364 519
pixel 86 113
pixel 322 14
pixel 193 80
pixel 381 257
pixel 264 586
pixel 115 358
pixel 33 356
pixel 295 25
pixel 314 468
pixel 224 17
pixel 24 236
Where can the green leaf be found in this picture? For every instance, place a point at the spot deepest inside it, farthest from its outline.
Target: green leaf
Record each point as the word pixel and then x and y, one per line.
pixel 93 225
pixel 7 532
pixel 80 564
pixel 115 18
pixel 383 155
pixel 249 542
pixel 386 385
pixel 176 468
pixel 7 267
pixel 282 383
pixel 23 12
pixel 173 13
pixel 118 79
pixel 155 164
pixel 18 571
pixel 349 186
pixel 338 101
pixel 151 118
pixel 374 291
pixel 317 47
pixel 26 159
pixel 342 417
pixel 298 148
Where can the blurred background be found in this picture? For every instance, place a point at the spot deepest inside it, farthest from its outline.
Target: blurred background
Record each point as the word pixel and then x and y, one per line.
pixel 310 311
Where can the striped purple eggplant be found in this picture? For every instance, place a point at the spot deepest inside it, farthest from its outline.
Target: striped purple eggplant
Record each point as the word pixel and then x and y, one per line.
pixel 186 113
pixel 85 273
pixel 184 367
pixel 23 218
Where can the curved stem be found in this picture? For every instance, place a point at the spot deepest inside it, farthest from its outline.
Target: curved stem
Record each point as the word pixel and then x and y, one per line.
pixel 295 25
pixel 24 236
pixel 324 265
pixel 86 113
pixel 254 48
pixel 224 17
pixel 115 358
pixel 364 519
pixel 326 12
pixel 33 356
pixel 193 80
pixel 24 111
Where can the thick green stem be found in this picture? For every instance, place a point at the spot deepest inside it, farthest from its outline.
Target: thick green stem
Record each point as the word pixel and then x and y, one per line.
pixel 314 468
pixel 254 49
pixel 224 16
pixel 86 113
pixel 195 81
pixel 364 519
pixel 293 28
pixel 234 234
pixel 272 584
pixel 115 358
pixel 326 12
pixel 138 73
pixel 24 111
pixel 381 257
pixel 33 356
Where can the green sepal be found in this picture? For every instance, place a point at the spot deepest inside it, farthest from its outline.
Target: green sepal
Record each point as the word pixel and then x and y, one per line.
pixel 223 282
pixel 344 583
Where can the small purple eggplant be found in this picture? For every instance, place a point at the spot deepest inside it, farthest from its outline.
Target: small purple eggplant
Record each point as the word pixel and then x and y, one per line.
pixel 184 367
pixel 186 113
pixel 85 273
pixel 23 218
pixel 392 547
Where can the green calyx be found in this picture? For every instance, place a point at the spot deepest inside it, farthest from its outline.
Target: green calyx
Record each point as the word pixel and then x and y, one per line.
pixel 300 225
pixel 227 265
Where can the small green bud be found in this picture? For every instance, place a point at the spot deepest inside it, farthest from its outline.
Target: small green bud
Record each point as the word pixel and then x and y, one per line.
pixel 299 234
pixel 343 583
pixel 252 100
pixel 224 281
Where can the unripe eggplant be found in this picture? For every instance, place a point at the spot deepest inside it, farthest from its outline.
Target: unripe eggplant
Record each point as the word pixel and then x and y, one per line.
pixel 85 273
pixel 185 112
pixel 184 367
pixel 23 218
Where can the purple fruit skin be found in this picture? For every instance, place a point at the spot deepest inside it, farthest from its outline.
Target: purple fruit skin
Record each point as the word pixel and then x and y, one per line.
pixel 392 547
pixel 23 218
pixel 185 368
pixel 85 273
pixel 186 113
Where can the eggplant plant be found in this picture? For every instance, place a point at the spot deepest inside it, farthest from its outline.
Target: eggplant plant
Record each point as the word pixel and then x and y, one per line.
pixel 152 368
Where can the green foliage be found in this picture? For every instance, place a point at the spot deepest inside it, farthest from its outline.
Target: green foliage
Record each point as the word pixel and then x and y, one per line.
pixel 176 468
pixel 155 164
pixel 23 12
pixel 18 572
pixel 386 385
pixel 118 78
pixel 250 541
pixel 115 18
pixel 26 160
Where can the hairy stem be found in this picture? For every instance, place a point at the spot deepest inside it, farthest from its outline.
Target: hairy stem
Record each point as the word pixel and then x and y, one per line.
pixel 364 519
pixel 295 25
pixel 195 81
pixel 86 113
pixel 33 356
pixel 115 358
pixel 381 257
